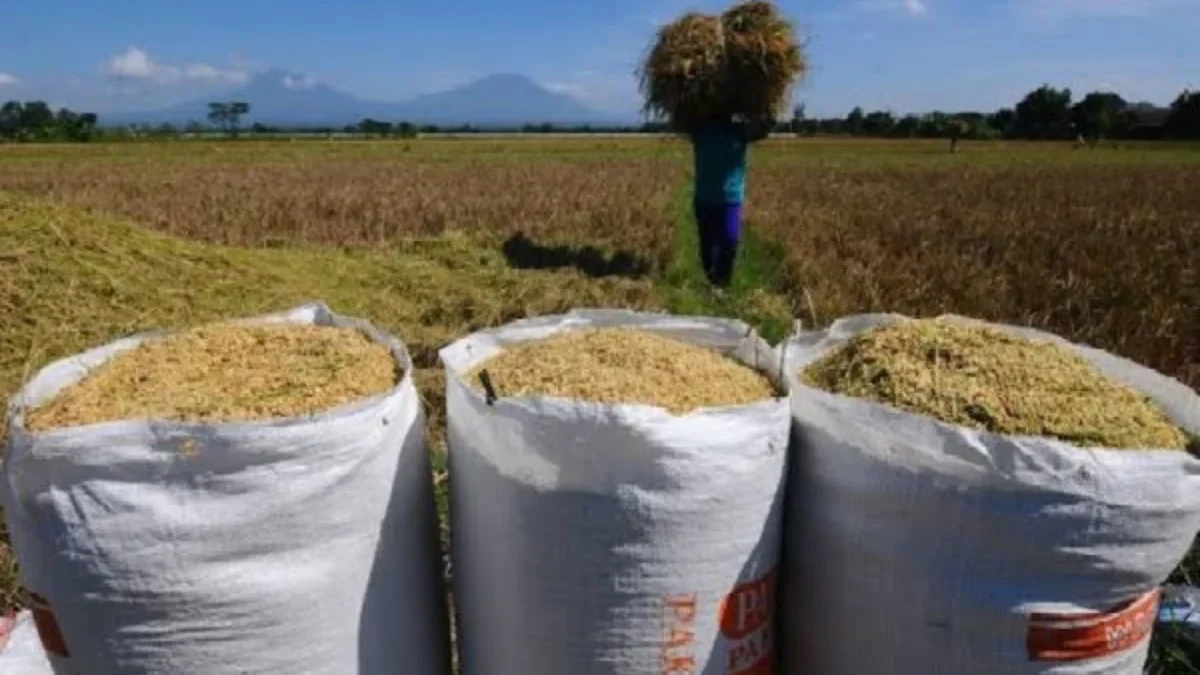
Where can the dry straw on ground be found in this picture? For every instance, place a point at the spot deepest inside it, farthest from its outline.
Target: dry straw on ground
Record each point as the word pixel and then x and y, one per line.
pixel 225 373
pixel 624 366
pixel 988 379
pixel 742 63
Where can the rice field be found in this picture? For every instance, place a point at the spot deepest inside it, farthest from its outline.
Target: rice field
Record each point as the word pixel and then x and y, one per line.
pixel 435 237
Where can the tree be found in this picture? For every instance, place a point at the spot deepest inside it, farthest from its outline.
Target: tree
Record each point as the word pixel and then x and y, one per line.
pixel 971 124
pixel 1004 121
pixel 1184 120
pixel 832 126
pixel 87 125
pixel 1099 114
pixel 798 116
pixel 10 119
pixel 237 110
pixel 854 121
pixel 72 126
pixel 228 116
pixel 1045 112
pixel 956 128
pixel 369 127
pixel 907 126
pixel 218 115
pixel 36 121
pixel 878 123
pixel 934 125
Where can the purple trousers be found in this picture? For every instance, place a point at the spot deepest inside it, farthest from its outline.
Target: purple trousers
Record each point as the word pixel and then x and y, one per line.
pixel 720 228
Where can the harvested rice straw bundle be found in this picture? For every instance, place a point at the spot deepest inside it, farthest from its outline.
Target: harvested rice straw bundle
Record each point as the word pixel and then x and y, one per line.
pixel 985 378
pixel 742 64
pixel 227 372
pixel 684 78
pixel 763 59
pixel 621 365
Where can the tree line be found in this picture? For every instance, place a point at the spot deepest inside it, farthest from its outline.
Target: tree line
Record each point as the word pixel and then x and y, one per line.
pixel 36 121
pixel 1044 113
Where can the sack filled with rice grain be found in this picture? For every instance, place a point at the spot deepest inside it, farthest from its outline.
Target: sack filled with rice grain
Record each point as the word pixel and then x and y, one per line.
pixel 740 64
pixel 616 494
pixel 976 499
pixel 244 497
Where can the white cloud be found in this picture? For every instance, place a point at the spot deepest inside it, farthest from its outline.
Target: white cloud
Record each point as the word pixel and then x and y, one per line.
pixel 6 79
pixel 135 65
pixel 913 7
pixel 303 82
pixel 201 71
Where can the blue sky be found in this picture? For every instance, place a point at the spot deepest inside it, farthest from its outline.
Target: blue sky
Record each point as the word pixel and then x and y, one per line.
pixel 905 55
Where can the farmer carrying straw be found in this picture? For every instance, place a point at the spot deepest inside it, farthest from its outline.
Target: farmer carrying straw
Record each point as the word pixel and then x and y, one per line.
pixel 719 81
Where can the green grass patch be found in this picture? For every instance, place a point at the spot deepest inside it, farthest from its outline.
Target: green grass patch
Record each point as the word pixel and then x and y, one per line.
pixel 756 295
pixel 1173 652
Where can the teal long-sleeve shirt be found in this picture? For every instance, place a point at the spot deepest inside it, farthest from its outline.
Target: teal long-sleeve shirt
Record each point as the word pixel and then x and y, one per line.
pixel 719 151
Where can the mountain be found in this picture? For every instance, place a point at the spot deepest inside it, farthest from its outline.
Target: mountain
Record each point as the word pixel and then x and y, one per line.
pixel 281 98
pixel 500 100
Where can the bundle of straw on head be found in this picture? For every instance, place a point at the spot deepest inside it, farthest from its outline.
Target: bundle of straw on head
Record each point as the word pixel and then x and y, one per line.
pixel 763 59
pixel 684 76
pixel 742 63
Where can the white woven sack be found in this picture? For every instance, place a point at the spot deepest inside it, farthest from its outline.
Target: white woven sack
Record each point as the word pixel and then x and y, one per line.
pixel 290 547
pixel 915 546
pixel 21 651
pixel 615 539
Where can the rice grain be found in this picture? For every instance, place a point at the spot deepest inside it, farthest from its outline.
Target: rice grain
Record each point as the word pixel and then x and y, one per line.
pixel 226 373
pixel 984 378
pixel 620 365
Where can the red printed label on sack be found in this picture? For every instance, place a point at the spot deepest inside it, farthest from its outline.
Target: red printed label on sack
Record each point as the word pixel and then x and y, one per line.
pixel 679 643
pixel 1078 637
pixel 47 626
pixel 748 622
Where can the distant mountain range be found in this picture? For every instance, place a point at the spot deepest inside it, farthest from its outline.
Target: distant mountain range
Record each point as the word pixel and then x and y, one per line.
pixel 281 98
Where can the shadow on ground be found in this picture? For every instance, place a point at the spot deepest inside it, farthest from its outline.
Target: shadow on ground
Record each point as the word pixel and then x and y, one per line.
pixel 526 254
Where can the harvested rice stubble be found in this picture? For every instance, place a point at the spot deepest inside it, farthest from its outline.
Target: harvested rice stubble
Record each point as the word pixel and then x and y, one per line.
pixel 984 378
pixel 225 373
pixel 620 365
